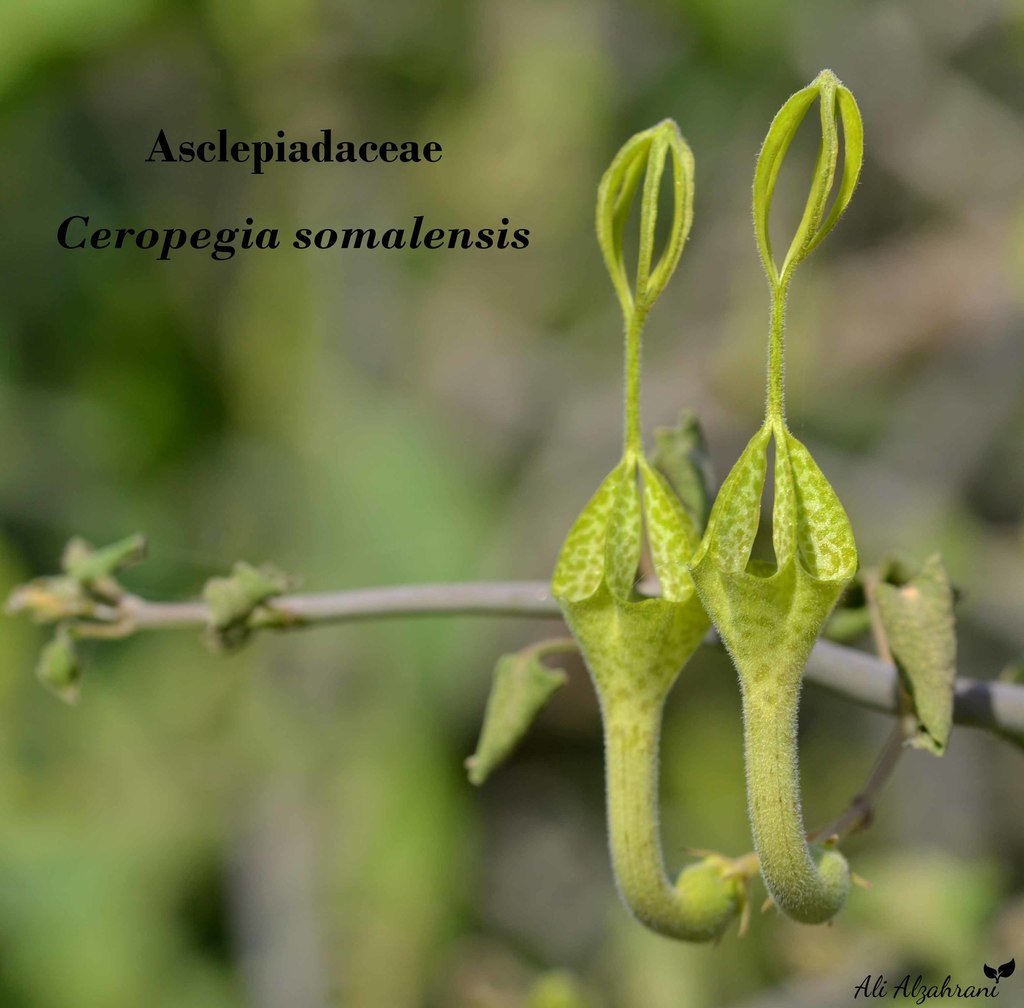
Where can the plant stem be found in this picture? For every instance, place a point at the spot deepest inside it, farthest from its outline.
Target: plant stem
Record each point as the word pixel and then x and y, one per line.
pixel 862 809
pixel 634 442
pixel 776 407
pixel 499 598
pixel 851 674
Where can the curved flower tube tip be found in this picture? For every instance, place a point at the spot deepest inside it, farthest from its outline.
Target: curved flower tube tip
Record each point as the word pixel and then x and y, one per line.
pixel 706 896
pixel 741 870
pixel 715 899
pixel 815 896
pixel 720 887
pixel 834 869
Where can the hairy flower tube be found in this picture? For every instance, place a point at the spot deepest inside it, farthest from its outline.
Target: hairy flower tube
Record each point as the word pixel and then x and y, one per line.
pixel 769 614
pixel 634 646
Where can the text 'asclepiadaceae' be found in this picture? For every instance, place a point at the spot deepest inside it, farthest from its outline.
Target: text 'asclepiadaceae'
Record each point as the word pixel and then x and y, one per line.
pixel 769 615
pixel 635 646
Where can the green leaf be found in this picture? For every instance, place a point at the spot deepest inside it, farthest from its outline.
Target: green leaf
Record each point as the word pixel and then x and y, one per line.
pixel 521 686
pixel 681 456
pixel 233 600
pixel 59 668
pixel 920 628
pixel 94 569
pixel 88 564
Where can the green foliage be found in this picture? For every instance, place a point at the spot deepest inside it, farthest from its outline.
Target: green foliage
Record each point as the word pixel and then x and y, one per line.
pixel 78 601
pixel 234 600
pixel 59 668
pixel 521 686
pixel 95 568
pixel 88 582
pixel 917 614
pixel 681 456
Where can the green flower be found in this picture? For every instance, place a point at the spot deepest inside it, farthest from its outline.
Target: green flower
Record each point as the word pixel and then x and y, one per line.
pixel 635 646
pixel 769 615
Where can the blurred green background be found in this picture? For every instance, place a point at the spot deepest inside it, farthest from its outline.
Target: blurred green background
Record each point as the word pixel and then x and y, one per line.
pixel 291 826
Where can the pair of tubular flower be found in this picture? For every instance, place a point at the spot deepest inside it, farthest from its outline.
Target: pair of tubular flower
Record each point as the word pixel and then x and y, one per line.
pixel 768 615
